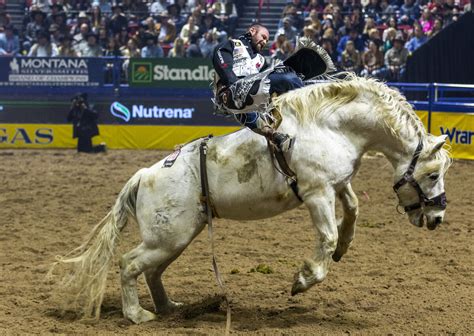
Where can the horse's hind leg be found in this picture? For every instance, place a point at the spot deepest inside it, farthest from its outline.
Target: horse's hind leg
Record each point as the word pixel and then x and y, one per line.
pixel 132 265
pixel 350 205
pixel 153 279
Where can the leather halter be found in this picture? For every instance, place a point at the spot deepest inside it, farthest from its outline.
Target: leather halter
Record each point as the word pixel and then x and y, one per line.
pixel 439 201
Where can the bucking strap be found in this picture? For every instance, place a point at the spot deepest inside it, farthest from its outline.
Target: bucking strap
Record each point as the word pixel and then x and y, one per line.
pixel 208 207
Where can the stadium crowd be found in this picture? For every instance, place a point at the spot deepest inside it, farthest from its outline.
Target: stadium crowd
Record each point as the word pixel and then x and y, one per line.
pixel 370 37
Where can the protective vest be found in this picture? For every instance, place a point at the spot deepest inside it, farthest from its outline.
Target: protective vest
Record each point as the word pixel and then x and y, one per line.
pixel 244 65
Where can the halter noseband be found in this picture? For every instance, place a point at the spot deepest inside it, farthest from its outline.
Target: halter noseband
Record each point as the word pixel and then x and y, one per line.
pixel 439 201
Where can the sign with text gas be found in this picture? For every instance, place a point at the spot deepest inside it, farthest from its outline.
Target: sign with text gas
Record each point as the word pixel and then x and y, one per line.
pixel 171 72
pixel 43 71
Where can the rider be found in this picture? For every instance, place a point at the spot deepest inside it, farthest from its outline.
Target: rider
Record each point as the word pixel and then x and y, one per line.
pixel 244 85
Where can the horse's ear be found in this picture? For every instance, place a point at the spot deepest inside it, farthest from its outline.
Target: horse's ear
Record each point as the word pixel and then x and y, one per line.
pixel 439 142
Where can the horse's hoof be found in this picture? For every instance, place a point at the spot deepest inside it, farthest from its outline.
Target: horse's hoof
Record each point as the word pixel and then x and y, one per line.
pixel 298 286
pixel 141 316
pixel 336 256
pixel 169 308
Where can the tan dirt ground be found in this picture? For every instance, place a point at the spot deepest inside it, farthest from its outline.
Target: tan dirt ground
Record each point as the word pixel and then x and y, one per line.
pixel 396 279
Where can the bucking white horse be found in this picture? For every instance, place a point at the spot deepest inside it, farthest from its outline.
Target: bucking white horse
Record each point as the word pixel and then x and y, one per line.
pixel 334 125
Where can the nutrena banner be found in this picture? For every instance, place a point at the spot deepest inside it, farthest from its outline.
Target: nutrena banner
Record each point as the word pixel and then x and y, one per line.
pixel 170 72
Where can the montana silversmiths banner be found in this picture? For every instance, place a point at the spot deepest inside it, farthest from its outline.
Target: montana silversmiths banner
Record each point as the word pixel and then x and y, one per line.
pixel 171 72
pixel 44 71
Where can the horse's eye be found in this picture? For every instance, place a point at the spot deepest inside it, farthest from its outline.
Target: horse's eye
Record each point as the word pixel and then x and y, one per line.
pixel 434 176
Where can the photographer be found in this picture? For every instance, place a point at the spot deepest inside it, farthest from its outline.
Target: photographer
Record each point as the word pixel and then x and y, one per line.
pixel 84 120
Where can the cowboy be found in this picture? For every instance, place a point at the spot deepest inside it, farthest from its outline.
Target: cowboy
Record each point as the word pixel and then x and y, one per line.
pixel 245 82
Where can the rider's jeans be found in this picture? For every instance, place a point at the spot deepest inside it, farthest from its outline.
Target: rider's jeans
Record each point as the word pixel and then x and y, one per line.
pixel 279 83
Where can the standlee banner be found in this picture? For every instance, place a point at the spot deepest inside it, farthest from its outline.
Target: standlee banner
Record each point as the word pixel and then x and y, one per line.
pixel 57 71
pixel 170 72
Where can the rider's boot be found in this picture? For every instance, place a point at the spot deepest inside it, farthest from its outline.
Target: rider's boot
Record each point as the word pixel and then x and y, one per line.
pixel 282 142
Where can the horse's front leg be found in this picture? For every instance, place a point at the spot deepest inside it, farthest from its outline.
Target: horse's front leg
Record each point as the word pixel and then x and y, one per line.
pixel 314 270
pixel 350 205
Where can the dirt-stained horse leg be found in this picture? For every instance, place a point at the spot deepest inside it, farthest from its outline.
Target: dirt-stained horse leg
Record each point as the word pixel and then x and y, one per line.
pixel 161 301
pixel 314 270
pixel 350 205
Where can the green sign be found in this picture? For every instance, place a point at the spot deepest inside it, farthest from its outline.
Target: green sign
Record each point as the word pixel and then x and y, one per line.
pixel 171 72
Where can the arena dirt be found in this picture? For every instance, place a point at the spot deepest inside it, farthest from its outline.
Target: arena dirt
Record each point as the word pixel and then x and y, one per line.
pixel 396 279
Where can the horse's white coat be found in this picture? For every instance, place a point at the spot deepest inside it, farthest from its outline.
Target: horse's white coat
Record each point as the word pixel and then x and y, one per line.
pixel 244 185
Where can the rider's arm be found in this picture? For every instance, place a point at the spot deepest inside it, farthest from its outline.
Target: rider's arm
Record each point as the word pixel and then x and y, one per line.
pixel 223 62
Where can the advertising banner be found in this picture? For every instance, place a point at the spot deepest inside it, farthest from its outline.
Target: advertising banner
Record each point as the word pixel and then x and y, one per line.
pixel 170 72
pixel 115 136
pixel 116 110
pixel 459 127
pixel 44 71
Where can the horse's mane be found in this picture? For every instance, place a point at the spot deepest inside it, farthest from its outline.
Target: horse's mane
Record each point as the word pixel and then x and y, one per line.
pixel 314 102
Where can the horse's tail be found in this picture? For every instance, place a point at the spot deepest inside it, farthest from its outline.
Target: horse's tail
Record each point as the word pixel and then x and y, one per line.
pixel 84 286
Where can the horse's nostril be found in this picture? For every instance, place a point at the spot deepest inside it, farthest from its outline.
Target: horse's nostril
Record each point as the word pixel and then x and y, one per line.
pixel 438 220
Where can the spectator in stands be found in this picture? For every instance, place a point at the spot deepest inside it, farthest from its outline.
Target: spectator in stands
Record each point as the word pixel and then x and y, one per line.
pixel 131 49
pixel 113 48
pixel 55 9
pixel 314 21
pixel 193 51
pixel 396 59
pixel 419 38
pixel 65 48
pixel 104 6
pixel 328 45
pixel 167 31
pixel 60 20
pixel 118 20
pixel 372 9
pixel 81 19
pixel 284 51
pixel 437 26
pixel 37 24
pixel 208 43
pixel 388 37
pixel 346 27
pixel 310 33
pixel 350 58
pixel 80 39
pixel 122 37
pixel 92 48
pixel 228 16
pixel 314 5
pixel 43 47
pixel 5 18
pixel 288 30
pixel 410 10
pixel 151 49
pixel 178 49
pixel 372 61
pixel 426 21
pixel 369 25
pixel 185 8
pixel 96 17
pixel 354 37
pixel 175 15
pixel 189 29
pixel 54 33
pixel 9 42
pixel 158 7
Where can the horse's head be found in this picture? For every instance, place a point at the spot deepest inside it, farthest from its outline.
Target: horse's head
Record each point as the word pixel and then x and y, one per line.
pixel 420 189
